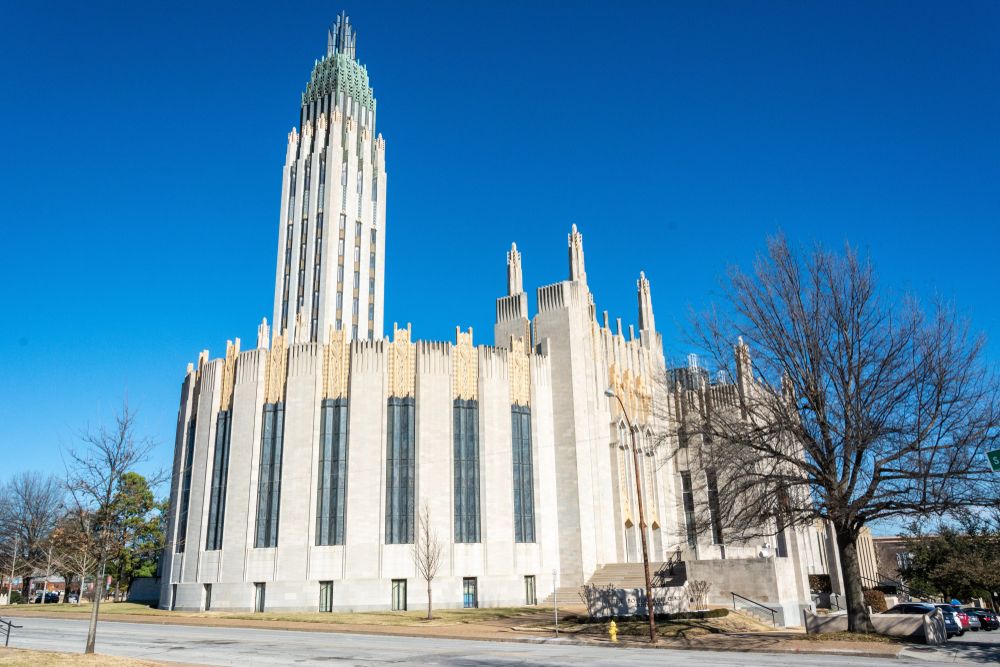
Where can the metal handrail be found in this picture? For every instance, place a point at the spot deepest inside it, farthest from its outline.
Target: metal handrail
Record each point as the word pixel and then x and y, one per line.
pixel 906 589
pixel 758 605
pixel 9 626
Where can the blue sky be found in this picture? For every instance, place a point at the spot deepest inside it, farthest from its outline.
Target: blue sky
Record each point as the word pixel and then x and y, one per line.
pixel 141 148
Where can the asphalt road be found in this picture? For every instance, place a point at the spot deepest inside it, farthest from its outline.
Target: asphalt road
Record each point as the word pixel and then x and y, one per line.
pixel 250 647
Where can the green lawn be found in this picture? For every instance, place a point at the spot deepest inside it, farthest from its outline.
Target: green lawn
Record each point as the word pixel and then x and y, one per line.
pixel 414 617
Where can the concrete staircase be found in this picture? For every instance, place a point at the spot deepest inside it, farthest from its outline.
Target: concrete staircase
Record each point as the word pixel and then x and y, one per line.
pixel 622 575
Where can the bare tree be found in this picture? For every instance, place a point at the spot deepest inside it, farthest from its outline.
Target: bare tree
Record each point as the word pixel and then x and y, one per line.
pixel 75 542
pixel 97 473
pixel 427 552
pixel 50 564
pixel 857 404
pixel 31 505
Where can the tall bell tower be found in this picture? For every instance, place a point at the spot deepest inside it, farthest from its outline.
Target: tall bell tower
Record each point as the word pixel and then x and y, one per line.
pixel 331 233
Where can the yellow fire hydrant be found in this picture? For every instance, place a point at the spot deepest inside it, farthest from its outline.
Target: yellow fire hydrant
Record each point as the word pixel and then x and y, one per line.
pixel 613 631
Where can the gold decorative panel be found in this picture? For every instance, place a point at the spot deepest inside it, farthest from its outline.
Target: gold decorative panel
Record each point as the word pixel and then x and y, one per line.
pixel 623 485
pixel 654 521
pixel 465 367
pixel 519 373
pixel 402 357
pixel 336 363
pixel 229 374
pixel 277 370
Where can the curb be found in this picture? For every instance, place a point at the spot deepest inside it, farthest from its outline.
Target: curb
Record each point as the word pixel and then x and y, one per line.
pixel 601 643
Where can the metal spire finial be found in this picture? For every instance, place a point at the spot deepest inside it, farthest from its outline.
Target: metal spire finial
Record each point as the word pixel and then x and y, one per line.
pixel 341 38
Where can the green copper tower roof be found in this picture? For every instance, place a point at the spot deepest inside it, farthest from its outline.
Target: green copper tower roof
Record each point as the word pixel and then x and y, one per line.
pixel 339 71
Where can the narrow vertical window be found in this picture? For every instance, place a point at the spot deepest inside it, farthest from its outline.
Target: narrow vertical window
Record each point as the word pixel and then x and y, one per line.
pixel 529 590
pixel 258 598
pixel 466 415
pixel 332 473
pixel 208 597
pixel 399 594
pixel 269 483
pixel 400 472
pixel 688 497
pixel 326 596
pixel 524 493
pixel 713 507
pixel 186 489
pixel 220 475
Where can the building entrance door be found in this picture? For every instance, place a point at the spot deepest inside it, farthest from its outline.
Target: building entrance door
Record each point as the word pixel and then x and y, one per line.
pixel 470 599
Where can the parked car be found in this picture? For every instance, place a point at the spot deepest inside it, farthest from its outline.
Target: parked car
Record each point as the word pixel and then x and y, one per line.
pixel 49 598
pixel 960 616
pixel 951 623
pixel 72 599
pixel 987 617
pixel 974 623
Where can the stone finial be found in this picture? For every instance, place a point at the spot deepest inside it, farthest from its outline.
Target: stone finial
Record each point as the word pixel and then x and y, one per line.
pixel 515 284
pixel 646 321
pixel 577 270
pixel 263 336
pixel 301 330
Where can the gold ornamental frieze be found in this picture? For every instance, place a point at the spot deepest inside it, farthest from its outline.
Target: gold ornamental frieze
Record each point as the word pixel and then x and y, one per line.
pixel 465 367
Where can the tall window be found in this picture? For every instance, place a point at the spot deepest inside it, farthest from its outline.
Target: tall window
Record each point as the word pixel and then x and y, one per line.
pixel 713 507
pixel 220 475
pixel 529 590
pixel 400 472
pixel 269 484
pixel 332 472
pixel 688 497
pixel 466 470
pixel 524 493
pixel 182 522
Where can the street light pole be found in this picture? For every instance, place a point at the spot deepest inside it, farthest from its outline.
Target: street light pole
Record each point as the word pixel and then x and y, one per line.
pixel 642 519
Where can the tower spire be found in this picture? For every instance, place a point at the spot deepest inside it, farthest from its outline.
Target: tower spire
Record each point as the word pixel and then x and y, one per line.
pixel 515 284
pixel 341 38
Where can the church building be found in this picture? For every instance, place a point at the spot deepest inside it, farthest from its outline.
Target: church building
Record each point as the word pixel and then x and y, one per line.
pixel 301 466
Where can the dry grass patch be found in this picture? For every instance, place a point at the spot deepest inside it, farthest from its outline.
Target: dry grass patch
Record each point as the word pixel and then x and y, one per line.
pixel 639 626
pixel 857 637
pixel 20 658
pixel 397 618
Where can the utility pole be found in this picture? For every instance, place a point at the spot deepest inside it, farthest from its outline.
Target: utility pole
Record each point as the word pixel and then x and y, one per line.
pixel 650 610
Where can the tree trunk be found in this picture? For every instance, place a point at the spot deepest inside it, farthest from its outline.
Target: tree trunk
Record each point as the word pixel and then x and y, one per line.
pixel 430 606
pixel 858 619
pixel 92 632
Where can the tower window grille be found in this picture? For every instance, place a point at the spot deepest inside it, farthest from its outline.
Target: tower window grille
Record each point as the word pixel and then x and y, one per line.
pixel 524 494
pixel 269 484
pixel 186 488
pixel 220 477
pixel 687 494
pixel 467 521
pixel 332 472
pixel 400 471
pixel 713 507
